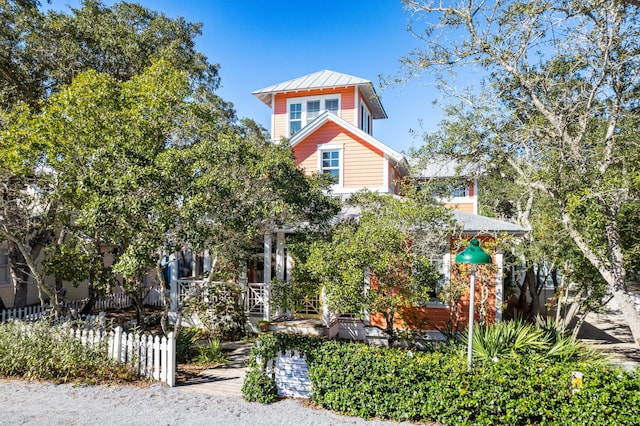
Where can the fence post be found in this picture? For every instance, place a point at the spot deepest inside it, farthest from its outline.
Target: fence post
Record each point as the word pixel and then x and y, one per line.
pixel 171 359
pixel 117 344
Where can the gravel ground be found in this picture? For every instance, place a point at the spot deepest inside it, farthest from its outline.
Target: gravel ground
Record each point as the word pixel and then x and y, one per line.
pixel 34 403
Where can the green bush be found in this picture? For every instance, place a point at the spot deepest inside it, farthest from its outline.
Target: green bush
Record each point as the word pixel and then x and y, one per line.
pixel 211 353
pixel 517 338
pixel 186 344
pixel 41 351
pixel 258 387
pixel 365 381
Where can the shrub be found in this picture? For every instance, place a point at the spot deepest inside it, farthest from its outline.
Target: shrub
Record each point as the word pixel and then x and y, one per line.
pixel 517 338
pixel 186 343
pixel 258 387
pixel 211 353
pixel 41 351
pixel 365 381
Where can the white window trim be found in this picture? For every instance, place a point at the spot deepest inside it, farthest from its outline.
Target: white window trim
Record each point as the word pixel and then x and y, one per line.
pixel 446 272
pixel 303 101
pixel 333 147
pixel 369 121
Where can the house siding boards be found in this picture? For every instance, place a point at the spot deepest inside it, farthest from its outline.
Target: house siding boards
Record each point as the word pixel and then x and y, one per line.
pixel 348 111
pixel 363 164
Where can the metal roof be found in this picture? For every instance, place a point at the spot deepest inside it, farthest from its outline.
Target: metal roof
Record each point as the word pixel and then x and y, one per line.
pixel 480 225
pixel 472 224
pixel 323 80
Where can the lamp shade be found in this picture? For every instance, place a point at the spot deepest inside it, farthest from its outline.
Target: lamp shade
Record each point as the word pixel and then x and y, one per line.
pixel 473 254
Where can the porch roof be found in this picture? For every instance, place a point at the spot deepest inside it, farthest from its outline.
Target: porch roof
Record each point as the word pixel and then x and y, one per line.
pixel 472 224
pixel 478 225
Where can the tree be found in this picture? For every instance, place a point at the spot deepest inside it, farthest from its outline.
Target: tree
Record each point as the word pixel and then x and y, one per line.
pixel 557 102
pixel 390 246
pixel 41 53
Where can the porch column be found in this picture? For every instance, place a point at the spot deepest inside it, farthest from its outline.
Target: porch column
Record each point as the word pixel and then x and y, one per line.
pixel 367 286
pixel 173 282
pixel 266 290
pixel 206 263
pixel 280 260
pixel 280 267
pixel 326 315
pixel 499 284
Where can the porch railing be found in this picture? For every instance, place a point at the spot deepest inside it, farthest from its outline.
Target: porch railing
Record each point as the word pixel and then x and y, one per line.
pixel 254 298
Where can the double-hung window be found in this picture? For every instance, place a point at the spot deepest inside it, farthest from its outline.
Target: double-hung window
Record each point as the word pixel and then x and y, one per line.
pixel 331 105
pixel 331 161
pixel 365 118
pixel 461 191
pixel 295 118
pixel 313 110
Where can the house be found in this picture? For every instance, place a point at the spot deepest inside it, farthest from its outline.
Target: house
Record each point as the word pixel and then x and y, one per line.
pixel 328 118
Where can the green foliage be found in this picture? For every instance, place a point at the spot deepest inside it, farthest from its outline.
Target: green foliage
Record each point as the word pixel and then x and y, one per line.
pixel 365 381
pixel 211 353
pixel 515 339
pixel 259 387
pixel 40 351
pixel 186 344
pixel 219 310
pixel 393 239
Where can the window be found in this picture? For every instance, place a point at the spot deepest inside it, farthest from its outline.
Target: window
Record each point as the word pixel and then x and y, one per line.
pixel 365 118
pixel 331 105
pixel 305 110
pixel 295 118
pixel 331 164
pixel 461 191
pixel 4 267
pixel 313 110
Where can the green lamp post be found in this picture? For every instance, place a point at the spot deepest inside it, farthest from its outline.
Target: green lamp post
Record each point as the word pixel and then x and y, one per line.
pixel 473 255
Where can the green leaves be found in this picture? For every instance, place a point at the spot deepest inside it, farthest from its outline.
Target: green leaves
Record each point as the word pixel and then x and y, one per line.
pixel 393 238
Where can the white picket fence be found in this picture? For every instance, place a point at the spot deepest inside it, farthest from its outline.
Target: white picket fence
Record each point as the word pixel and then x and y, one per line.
pixel 151 356
pixel 29 313
pixel 117 301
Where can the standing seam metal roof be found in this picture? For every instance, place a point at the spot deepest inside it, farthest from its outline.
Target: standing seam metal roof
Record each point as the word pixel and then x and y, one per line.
pixel 321 80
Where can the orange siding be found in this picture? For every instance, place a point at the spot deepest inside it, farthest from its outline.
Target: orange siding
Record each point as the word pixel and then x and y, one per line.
pixel 362 163
pixel 461 207
pixel 437 317
pixel 347 109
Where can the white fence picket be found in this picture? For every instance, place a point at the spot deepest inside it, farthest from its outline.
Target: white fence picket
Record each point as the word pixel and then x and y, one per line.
pixel 151 356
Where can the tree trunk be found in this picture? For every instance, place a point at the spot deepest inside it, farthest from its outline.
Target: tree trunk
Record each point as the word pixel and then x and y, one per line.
pixel 630 313
pixel 19 275
pixel 93 295
pixel 532 285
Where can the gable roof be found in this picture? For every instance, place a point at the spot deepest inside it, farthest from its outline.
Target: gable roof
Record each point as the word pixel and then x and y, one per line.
pixel 327 116
pixel 323 80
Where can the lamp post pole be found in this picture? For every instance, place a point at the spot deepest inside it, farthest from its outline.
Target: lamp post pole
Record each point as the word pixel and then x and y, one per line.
pixel 472 294
pixel 473 255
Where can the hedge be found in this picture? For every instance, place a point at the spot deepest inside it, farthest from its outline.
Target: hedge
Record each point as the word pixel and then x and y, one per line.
pixel 360 380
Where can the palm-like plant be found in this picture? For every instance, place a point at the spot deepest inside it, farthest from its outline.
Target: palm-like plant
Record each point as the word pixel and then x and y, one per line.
pixel 517 338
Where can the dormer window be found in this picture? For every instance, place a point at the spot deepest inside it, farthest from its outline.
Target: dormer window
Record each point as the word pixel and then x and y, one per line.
pixel 305 110
pixel 313 110
pixel 295 118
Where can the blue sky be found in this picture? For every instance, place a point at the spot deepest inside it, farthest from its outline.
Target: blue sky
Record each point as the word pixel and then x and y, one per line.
pixel 258 43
